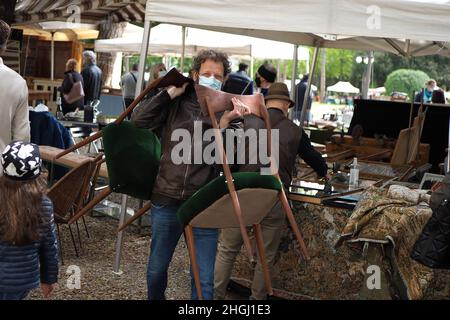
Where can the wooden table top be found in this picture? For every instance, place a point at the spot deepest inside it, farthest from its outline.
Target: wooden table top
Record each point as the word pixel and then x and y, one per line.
pixel 36 95
pixel 70 160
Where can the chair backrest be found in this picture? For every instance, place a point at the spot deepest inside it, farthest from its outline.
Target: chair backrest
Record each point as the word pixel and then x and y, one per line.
pixel 132 158
pixel 213 102
pixel 70 189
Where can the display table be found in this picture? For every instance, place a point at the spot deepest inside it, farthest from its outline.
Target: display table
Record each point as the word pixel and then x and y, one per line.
pixel 333 272
pixel 70 160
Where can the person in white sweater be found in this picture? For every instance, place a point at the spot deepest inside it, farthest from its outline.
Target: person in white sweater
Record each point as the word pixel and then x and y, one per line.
pixel 14 119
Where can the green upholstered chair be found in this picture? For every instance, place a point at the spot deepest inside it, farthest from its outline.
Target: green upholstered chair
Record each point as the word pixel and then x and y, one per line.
pixel 129 145
pixel 250 196
pixel 210 207
pixel 132 157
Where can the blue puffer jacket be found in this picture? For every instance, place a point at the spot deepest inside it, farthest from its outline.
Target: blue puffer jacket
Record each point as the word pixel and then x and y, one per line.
pixel 23 268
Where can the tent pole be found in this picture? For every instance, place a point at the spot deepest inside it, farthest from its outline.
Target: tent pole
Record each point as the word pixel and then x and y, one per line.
pixel 183 47
pixel 119 241
pixel 308 88
pixel 294 71
pixel 52 58
pixel 293 77
pixel 252 61
pixel 143 57
pixel 139 87
pixel 448 151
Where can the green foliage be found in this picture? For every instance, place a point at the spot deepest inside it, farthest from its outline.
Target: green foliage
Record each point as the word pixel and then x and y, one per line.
pixel 437 67
pixel 405 80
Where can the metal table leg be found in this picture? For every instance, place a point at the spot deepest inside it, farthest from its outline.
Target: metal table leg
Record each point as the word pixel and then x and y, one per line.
pixel 123 214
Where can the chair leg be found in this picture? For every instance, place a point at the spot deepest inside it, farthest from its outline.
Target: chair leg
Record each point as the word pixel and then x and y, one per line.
pixel 262 258
pixel 136 216
pixel 79 235
pixel 91 205
pixel 193 257
pixel 60 244
pixel 85 227
pixel 73 241
pixel 293 223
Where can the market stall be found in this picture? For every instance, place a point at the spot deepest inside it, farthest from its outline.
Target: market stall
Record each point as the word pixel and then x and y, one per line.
pixel 406 28
pixel 397 26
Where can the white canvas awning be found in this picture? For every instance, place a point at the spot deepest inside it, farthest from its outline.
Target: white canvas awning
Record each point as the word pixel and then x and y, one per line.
pixel 343 87
pixel 166 39
pixel 129 46
pixel 406 27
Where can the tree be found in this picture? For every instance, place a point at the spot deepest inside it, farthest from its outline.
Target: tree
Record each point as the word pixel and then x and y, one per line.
pixel 405 80
pixel 106 60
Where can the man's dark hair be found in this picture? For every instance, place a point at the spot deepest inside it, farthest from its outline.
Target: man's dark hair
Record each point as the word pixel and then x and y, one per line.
pixel 268 72
pixel 305 77
pixel 243 66
pixel 135 67
pixel 5 31
pixel 214 55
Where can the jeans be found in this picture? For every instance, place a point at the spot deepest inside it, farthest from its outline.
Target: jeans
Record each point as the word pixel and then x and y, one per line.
pixel 13 296
pixel 166 231
pixel 128 102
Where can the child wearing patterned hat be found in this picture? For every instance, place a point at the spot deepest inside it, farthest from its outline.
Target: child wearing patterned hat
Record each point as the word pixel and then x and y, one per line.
pixel 28 244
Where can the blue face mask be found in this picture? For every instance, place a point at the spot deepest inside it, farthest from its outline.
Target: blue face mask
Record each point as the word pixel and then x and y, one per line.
pixel 210 82
pixel 162 73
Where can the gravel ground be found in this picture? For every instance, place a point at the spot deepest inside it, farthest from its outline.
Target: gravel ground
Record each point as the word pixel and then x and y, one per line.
pixel 98 282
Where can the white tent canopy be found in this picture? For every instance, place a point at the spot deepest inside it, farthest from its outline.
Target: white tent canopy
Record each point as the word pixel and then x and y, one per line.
pixel 127 46
pixel 407 27
pixel 363 24
pixel 166 38
pixel 343 87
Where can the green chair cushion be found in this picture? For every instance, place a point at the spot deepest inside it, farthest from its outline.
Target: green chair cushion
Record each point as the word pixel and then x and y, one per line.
pixel 132 156
pixel 256 193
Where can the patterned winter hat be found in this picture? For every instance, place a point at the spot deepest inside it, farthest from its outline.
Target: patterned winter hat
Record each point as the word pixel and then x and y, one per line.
pixel 21 161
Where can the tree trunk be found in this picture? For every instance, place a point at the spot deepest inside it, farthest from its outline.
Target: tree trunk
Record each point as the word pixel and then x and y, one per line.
pixel 106 60
pixel 367 77
pixel 323 76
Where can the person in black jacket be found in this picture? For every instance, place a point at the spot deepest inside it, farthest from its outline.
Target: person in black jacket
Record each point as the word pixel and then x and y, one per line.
pixel 71 77
pixel 92 78
pixel 28 244
pixel 239 82
pixel 292 142
pixel 300 90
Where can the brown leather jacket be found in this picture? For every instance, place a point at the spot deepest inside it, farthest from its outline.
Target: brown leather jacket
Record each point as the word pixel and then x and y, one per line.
pixel 175 182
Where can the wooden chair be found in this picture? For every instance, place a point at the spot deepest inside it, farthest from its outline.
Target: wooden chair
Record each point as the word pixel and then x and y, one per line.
pixel 68 195
pixel 250 195
pixel 173 77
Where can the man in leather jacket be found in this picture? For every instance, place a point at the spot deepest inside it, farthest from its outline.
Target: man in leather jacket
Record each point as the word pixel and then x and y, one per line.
pixel 177 108
pixel 292 142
